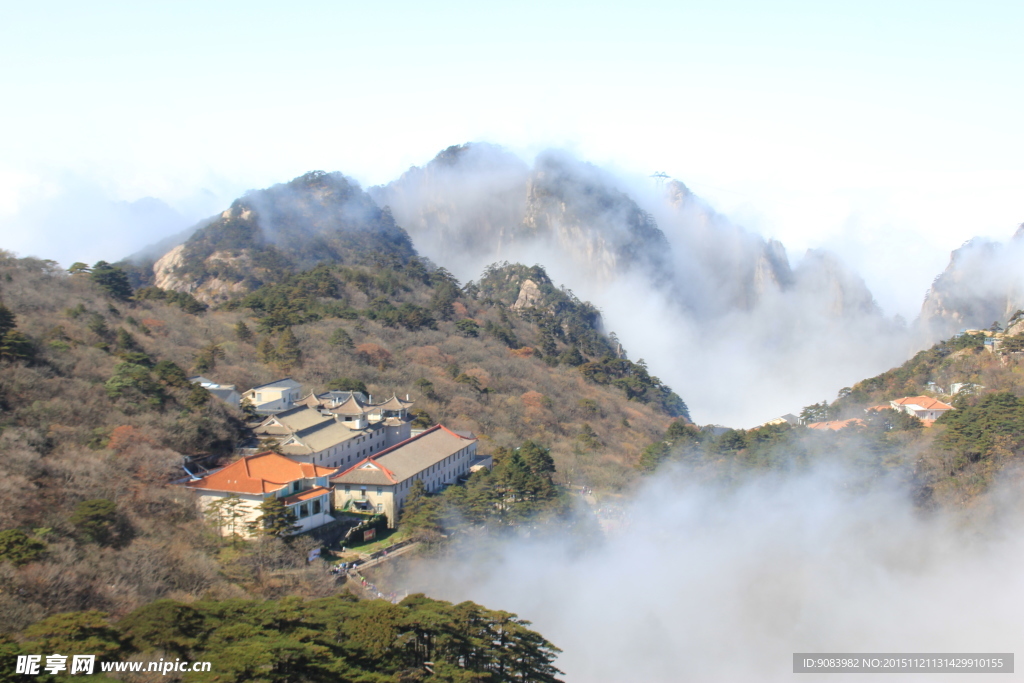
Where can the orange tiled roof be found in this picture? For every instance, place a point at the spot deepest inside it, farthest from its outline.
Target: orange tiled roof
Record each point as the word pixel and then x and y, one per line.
pixel 836 425
pixel 874 409
pixel 925 402
pixel 314 492
pixel 258 474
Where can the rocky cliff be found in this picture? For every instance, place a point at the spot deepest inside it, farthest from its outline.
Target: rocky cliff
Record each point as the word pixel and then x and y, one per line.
pixel 983 283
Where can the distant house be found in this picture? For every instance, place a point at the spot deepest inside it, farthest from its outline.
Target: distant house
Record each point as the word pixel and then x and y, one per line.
pixel 788 418
pixel 836 425
pixel 381 483
pixel 923 407
pixel 970 387
pixel 302 487
pixel 274 397
pixel 225 392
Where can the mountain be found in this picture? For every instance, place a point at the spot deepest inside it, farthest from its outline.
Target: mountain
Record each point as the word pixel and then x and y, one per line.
pixel 667 272
pixel 284 229
pixel 983 283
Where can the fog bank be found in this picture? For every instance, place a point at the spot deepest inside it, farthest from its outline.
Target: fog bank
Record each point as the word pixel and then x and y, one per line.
pixel 707 584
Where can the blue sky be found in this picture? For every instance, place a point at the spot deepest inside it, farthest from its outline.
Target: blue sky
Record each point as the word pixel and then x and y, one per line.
pixel 873 129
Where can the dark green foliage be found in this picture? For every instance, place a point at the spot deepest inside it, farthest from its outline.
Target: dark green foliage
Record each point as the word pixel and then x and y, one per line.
pixel 242 332
pixel 421 419
pixel 636 382
pixel 913 375
pixel 95 520
pixel 325 640
pixel 341 338
pixel 421 513
pixel 297 299
pixel 503 333
pixel 163 625
pixel 16 346
pixel 198 396
pixel 72 633
pixel 112 279
pixel 7 319
pixel 182 300
pixel 572 357
pixel 19 548
pixel 816 412
pixel 468 327
pixel 287 355
pixel 427 387
pixel 275 519
pixel 265 351
pixel 347 384
pixel 170 374
pixel 135 384
pixel 410 316
pixel 973 432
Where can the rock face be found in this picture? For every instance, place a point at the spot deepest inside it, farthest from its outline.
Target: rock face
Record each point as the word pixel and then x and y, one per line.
pixel 529 296
pixel 983 283
pixel 268 234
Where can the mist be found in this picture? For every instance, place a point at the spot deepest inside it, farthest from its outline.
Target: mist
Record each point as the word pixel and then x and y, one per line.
pixel 737 326
pixel 706 582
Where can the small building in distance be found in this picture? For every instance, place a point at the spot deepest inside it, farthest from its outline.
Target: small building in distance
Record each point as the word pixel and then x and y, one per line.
pixel 381 483
pixel 302 487
pixel 788 418
pixel 225 392
pixel 836 425
pixel 275 397
pixel 923 407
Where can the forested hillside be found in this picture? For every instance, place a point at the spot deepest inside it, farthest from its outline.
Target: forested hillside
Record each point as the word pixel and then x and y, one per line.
pixel 97 415
pixel 952 464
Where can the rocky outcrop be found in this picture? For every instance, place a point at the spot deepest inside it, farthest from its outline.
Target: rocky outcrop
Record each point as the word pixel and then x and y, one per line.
pixel 529 296
pixel 983 283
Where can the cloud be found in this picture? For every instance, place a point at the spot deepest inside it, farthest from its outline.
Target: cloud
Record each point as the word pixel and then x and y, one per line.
pixel 717 583
pixel 70 218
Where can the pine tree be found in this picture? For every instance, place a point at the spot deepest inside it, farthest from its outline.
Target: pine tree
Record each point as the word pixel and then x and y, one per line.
pixel 276 519
pixel 341 339
pixel 287 353
pixel 243 332
pixel 7 319
pixel 265 351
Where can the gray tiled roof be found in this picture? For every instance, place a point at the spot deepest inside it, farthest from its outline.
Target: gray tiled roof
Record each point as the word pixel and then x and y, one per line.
pixel 407 458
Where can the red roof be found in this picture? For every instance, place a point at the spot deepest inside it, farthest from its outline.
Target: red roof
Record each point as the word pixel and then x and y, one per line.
pixel 836 425
pixel 258 474
pixel 925 402
pixel 314 492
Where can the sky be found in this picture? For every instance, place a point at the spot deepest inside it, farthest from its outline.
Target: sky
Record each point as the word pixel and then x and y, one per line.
pixel 886 132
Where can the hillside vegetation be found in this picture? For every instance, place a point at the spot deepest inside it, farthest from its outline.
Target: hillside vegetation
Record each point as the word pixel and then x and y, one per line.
pixel 951 464
pixel 97 416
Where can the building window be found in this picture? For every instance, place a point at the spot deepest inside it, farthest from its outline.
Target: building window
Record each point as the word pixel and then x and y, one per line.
pixel 295 486
pixel 348 487
pixel 380 507
pixel 380 490
pixel 303 511
pixel 316 506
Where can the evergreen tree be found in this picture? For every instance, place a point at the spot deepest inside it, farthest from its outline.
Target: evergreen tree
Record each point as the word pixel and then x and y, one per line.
pixel 287 354
pixel 421 513
pixel 95 520
pixel 265 351
pixel 112 279
pixel 242 332
pixel 275 519
pixel 341 339
pixel 19 548
pixel 7 319
pixel 16 346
